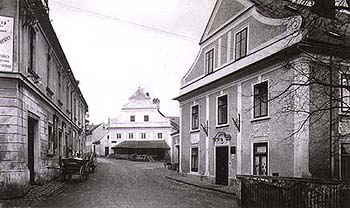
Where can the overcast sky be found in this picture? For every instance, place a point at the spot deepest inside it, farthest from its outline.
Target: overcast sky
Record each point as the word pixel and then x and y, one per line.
pixel 115 46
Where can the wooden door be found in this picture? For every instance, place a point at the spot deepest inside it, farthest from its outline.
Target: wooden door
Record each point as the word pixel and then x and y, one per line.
pixel 221 165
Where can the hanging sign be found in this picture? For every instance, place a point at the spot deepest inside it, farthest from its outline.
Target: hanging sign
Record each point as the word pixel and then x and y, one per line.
pixel 6 43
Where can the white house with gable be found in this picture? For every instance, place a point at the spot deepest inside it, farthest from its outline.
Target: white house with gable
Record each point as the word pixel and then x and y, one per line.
pixel 141 128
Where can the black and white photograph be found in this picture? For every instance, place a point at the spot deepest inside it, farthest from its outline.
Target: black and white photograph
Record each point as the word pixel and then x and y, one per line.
pixel 175 103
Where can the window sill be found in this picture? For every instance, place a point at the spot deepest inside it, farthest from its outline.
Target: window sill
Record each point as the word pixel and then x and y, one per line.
pixel 194 173
pixel 194 131
pixel 260 119
pixel 222 125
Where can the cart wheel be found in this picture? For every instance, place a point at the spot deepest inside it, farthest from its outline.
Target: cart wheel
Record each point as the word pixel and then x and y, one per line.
pixel 82 173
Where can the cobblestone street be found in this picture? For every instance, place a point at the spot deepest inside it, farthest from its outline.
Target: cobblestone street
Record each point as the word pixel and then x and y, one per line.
pixel 120 183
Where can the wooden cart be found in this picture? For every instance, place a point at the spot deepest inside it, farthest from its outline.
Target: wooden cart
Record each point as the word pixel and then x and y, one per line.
pixel 74 166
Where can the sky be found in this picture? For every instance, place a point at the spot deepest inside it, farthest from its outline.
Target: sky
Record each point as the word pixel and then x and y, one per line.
pixel 116 46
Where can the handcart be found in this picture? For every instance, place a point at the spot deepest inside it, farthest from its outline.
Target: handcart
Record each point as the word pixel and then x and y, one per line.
pixel 74 166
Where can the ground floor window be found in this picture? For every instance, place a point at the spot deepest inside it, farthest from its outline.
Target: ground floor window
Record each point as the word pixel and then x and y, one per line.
pixel 194 159
pixel 260 159
pixel 345 161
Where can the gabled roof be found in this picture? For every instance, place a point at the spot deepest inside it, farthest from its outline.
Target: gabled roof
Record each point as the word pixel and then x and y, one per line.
pixel 223 13
pixel 139 99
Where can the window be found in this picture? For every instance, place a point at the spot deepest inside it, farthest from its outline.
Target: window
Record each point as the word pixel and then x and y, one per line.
pixel 160 135
pixel 209 61
pixel 131 135
pixel 49 139
pixel 260 159
pixel 241 44
pixel 132 118
pixel 48 66
pixel 345 93
pixel 195 117
pixel 222 110
pixel 67 97
pixel 260 100
pixel 32 43
pixel 114 141
pixel 143 135
pixel 145 118
pixel 194 159
pixel 119 135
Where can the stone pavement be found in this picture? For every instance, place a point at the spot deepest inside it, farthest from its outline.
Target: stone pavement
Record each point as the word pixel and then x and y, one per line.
pixel 35 195
pixel 183 178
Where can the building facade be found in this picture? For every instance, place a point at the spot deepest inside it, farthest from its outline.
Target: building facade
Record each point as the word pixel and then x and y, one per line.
pixel 235 115
pixel 42 109
pixel 97 139
pixel 141 120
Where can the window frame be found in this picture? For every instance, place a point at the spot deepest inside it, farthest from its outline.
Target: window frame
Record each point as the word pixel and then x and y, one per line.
pixel 118 135
pixel 260 155
pixel 194 128
pixel 132 118
pixel 143 135
pixel 218 124
pixel 206 60
pixel 144 118
pixel 236 43
pixel 254 113
pixel 161 135
pixel 194 169
pixel 32 38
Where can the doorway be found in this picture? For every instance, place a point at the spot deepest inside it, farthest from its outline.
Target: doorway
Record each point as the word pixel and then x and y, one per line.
pixel 106 151
pixel 221 176
pixel 32 131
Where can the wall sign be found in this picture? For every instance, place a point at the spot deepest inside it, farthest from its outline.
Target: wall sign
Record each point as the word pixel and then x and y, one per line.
pixel 6 43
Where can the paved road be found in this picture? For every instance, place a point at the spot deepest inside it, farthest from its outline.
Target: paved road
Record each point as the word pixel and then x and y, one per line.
pixel 120 183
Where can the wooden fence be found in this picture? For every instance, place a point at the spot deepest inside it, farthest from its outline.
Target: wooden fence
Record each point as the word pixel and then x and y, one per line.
pixel 278 192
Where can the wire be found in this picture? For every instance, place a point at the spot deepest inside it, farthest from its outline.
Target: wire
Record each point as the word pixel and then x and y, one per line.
pixel 184 37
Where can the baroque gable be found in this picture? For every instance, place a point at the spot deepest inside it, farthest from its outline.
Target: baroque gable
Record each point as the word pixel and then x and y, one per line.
pixel 224 11
pixel 222 38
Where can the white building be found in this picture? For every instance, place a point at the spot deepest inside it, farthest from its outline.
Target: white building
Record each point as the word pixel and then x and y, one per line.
pixel 141 128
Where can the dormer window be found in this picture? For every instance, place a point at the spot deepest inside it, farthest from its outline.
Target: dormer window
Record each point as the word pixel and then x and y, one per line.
pixel 209 61
pixel 241 44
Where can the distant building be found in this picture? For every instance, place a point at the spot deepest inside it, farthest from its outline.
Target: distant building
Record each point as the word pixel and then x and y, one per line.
pixel 42 110
pixel 229 122
pixel 97 139
pixel 175 136
pixel 141 128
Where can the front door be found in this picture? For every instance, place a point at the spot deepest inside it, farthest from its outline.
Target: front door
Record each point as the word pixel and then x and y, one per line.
pixel 32 123
pixel 221 165
pixel 106 151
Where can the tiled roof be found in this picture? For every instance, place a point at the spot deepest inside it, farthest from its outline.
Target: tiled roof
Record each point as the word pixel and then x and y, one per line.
pixel 132 144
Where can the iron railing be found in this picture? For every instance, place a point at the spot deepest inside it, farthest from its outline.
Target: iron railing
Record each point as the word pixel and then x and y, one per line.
pixel 278 192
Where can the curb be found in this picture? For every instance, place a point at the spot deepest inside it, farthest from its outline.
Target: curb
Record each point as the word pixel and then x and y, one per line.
pixel 199 186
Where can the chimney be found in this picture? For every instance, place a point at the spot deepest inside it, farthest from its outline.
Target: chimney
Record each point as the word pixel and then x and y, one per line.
pixel 156 101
